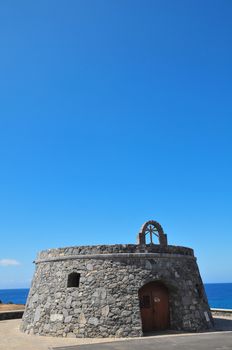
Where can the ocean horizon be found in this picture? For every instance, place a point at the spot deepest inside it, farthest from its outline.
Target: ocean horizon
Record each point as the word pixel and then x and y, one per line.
pixel 219 295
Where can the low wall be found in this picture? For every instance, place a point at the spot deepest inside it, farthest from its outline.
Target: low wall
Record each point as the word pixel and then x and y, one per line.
pixel 221 312
pixel 104 250
pixel 9 315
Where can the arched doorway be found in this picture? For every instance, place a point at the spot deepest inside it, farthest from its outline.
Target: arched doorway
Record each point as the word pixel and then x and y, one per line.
pixel 154 306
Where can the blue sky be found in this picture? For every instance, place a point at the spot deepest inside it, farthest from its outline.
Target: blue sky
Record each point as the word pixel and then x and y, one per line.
pixel 113 113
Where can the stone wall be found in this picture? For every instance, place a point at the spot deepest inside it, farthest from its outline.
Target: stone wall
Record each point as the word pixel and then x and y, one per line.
pixel 111 249
pixel 106 302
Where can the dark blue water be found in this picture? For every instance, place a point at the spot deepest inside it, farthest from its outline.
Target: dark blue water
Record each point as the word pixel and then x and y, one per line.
pixel 16 296
pixel 219 295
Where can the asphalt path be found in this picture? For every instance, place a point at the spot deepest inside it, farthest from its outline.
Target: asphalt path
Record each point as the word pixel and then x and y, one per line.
pixel 202 341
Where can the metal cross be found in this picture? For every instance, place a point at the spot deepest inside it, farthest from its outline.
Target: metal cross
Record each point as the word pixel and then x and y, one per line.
pixel 151 229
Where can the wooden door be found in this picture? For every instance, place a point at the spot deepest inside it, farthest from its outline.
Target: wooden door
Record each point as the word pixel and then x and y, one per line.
pixel 154 307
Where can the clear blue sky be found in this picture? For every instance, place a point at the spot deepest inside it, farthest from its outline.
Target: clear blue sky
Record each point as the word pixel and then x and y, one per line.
pixel 113 113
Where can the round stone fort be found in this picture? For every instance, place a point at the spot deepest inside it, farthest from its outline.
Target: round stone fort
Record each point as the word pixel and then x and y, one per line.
pixel 122 290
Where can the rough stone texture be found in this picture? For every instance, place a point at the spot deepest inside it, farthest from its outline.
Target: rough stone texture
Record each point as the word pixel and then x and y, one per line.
pixel 106 302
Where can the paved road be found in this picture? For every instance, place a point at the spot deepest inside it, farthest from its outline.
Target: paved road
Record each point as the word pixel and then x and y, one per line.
pixel 206 341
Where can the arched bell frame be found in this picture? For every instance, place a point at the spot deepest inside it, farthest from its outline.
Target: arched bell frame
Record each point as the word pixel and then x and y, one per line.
pixel 151 228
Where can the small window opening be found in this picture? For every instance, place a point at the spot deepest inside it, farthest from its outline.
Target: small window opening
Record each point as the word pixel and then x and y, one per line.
pixel 73 279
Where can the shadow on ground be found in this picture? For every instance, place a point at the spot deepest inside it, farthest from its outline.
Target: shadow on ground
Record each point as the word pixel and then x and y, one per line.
pixel 201 340
pixel 222 324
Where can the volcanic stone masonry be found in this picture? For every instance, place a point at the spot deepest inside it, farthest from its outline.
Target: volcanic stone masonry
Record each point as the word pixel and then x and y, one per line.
pixel 122 290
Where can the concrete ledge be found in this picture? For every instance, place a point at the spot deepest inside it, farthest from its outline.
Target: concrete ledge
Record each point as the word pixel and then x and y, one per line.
pixel 222 312
pixel 10 315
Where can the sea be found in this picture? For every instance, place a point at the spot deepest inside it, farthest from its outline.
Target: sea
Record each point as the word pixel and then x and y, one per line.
pixel 219 295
